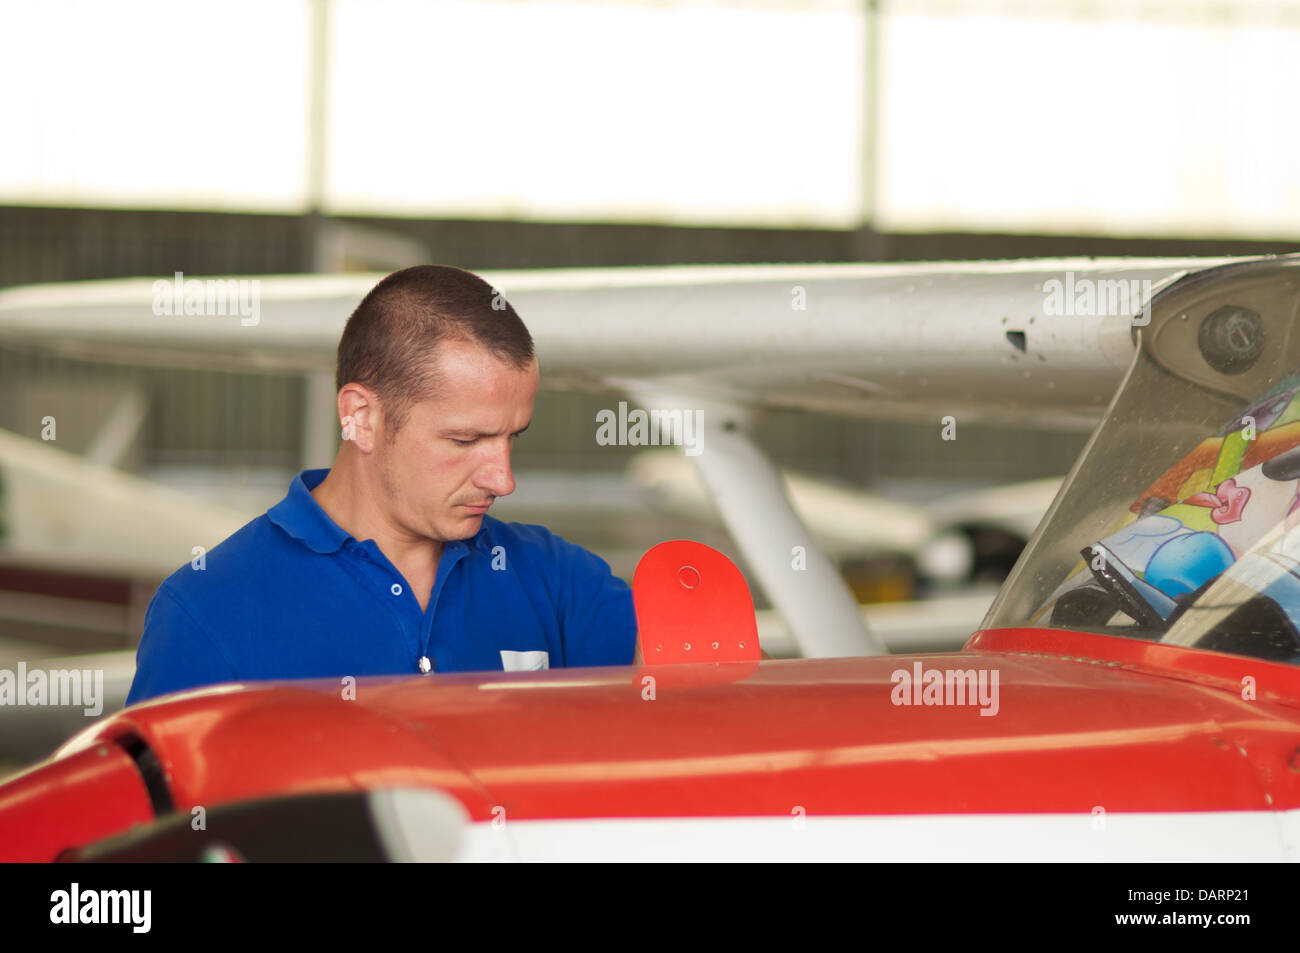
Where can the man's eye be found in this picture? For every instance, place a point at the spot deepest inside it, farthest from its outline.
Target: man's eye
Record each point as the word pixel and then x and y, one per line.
pixel 463 443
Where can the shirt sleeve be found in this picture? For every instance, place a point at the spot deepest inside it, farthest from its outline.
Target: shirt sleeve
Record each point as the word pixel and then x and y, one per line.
pixel 596 612
pixel 175 653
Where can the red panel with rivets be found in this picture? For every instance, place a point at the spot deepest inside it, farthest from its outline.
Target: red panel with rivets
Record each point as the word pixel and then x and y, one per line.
pixel 692 605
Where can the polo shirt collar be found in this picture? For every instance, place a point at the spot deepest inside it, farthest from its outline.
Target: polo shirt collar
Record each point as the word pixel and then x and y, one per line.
pixel 299 515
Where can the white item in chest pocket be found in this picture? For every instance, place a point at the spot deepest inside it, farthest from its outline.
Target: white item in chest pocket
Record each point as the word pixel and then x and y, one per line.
pixel 533 661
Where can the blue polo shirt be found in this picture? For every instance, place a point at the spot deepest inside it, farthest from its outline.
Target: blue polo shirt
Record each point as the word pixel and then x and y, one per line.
pixel 292 595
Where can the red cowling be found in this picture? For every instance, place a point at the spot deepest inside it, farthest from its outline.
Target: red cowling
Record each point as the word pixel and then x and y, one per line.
pixel 71 801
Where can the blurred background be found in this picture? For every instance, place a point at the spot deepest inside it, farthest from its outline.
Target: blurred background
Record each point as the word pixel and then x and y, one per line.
pixel 268 137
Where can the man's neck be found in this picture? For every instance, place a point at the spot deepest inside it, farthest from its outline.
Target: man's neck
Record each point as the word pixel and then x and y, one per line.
pixel 347 499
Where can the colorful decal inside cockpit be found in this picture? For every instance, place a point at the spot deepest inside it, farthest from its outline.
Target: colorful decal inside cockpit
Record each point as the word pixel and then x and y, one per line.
pixel 1207 511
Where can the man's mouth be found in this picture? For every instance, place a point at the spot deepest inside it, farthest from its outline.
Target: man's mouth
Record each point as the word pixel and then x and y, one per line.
pixel 477 507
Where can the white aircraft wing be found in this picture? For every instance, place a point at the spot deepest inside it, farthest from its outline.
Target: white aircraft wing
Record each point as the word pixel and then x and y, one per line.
pixel 859 339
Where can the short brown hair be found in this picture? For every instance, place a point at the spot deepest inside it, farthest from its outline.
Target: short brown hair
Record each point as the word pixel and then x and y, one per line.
pixel 391 339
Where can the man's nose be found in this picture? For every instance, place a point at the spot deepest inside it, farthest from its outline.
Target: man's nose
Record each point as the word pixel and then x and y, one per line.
pixel 496 478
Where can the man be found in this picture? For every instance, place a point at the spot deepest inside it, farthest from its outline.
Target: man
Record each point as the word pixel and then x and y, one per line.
pixel 388 563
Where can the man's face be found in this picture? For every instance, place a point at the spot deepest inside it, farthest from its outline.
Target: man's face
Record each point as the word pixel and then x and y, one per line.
pixel 451 458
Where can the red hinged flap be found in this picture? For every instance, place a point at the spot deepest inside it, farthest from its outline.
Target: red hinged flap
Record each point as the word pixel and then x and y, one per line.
pixel 692 605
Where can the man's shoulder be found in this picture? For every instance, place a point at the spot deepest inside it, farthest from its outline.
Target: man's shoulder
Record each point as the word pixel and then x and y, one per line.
pixel 529 538
pixel 245 555
pixel 540 550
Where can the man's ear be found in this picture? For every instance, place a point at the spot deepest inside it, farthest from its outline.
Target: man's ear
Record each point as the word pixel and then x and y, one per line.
pixel 359 416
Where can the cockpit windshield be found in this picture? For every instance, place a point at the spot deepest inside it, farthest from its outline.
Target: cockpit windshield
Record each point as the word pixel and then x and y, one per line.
pixel 1181 520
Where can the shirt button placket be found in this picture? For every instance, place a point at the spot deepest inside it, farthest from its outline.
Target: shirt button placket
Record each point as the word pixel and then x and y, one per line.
pixel 425 664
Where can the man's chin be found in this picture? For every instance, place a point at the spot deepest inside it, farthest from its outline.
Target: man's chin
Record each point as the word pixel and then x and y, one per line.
pixel 466 524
